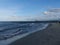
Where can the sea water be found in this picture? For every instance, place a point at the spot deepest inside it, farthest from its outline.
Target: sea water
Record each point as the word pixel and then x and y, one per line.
pixel 10 31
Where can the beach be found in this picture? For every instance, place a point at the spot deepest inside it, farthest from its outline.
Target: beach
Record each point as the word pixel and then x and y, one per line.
pixel 48 36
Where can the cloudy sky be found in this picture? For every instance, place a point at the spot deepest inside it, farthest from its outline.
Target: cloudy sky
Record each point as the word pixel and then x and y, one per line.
pixel 22 9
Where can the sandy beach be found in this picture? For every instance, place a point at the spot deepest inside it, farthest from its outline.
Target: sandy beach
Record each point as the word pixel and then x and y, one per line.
pixel 48 36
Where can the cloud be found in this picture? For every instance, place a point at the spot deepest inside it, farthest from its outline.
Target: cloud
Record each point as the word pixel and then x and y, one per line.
pixel 55 12
pixel 49 15
pixel 10 10
pixel 7 12
pixel 27 18
pixel 16 18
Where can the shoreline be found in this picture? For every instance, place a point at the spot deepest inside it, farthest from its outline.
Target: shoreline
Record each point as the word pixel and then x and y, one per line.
pixel 34 32
pixel 48 36
pixel 13 39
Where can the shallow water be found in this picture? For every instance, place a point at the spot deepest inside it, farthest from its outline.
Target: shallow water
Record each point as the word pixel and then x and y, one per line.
pixel 10 32
pixel 9 29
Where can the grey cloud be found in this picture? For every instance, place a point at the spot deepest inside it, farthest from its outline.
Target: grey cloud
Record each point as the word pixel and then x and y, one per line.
pixel 49 15
pixel 53 13
pixel 56 10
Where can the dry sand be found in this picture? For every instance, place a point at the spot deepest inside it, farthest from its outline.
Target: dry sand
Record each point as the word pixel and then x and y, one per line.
pixel 49 36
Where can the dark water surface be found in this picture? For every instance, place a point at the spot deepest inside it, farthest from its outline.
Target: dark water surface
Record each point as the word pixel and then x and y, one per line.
pixel 11 29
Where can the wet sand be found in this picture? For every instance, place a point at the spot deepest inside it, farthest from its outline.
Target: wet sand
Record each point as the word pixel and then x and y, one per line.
pixel 48 36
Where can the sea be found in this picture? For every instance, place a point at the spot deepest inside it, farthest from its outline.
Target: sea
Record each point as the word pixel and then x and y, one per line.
pixel 11 31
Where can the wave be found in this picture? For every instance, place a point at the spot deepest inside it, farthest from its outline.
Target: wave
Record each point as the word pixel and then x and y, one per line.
pixel 10 30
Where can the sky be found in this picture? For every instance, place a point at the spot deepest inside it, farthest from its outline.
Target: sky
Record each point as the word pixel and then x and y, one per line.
pixel 14 9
